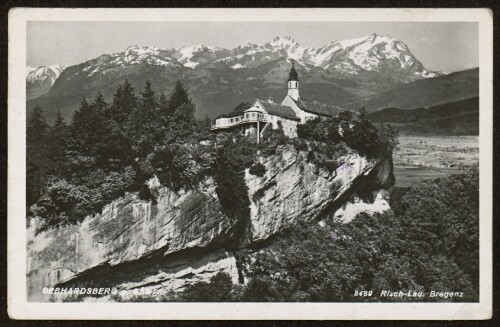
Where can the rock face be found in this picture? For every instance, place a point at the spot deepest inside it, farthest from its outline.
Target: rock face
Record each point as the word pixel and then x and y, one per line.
pixel 355 205
pixel 294 189
pixel 185 236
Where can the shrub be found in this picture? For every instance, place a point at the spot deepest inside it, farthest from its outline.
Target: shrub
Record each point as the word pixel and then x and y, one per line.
pixel 217 290
pixel 235 155
pixel 258 169
pixel 354 130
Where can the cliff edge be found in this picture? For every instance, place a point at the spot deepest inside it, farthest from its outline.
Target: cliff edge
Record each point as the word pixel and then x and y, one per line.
pixel 187 236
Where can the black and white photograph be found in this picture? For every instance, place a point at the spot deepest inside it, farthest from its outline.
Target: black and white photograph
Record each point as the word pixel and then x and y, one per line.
pixel 251 160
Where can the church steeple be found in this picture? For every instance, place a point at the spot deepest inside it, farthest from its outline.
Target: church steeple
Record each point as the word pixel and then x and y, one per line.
pixel 292 76
pixel 293 83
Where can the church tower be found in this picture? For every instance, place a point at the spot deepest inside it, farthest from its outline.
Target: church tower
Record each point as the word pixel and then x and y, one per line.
pixel 293 83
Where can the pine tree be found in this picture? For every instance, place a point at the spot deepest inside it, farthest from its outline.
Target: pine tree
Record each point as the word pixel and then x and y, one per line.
pixel 180 104
pixel 99 104
pixel 115 110
pixel 59 120
pixel 37 127
pixel 78 117
pixel 182 110
pixel 146 128
pixel 38 162
pixel 90 129
pixel 124 103
pixel 145 115
pixel 120 121
pixel 58 136
pixel 149 100
pixel 163 108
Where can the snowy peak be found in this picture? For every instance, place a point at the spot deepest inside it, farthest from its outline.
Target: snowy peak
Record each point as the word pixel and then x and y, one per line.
pixel 147 55
pixel 132 55
pixel 370 53
pixel 43 75
pixel 284 42
pixel 40 80
pixel 29 69
pixel 198 54
pixel 138 51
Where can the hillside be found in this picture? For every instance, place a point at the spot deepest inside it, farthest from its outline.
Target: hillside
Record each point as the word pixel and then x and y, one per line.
pixel 454 118
pixel 424 93
pixel 219 79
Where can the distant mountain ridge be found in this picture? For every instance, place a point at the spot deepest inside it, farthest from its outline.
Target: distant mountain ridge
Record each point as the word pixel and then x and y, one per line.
pixel 40 80
pixel 218 79
pixel 424 93
pixel 453 118
pixel 348 57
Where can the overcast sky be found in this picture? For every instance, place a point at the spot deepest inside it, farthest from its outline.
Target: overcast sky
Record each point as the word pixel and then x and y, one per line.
pixel 439 46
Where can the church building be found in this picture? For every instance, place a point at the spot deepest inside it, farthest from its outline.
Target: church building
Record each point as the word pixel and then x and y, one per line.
pixel 268 114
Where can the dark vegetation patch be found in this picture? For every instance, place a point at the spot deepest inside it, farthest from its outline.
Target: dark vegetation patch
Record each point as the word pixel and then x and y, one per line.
pixel 75 169
pixel 258 169
pixel 350 129
pixel 260 192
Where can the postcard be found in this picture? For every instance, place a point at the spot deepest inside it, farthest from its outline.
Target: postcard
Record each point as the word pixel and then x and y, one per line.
pixel 308 163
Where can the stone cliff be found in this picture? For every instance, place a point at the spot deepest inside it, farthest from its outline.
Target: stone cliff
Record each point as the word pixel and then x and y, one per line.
pixel 185 236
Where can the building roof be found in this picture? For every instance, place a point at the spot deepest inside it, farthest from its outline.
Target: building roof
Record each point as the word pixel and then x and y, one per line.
pixel 230 114
pixel 238 111
pixel 293 76
pixel 272 108
pixel 278 110
pixel 318 108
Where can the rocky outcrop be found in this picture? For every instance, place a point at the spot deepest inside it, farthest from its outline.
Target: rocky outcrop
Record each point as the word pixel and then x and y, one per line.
pixel 128 230
pixel 356 205
pixel 185 236
pixel 294 189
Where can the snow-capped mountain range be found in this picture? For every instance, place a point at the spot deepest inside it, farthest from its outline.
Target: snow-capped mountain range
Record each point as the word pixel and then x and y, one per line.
pixel 373 53
pixel 351 57
pixel 218 79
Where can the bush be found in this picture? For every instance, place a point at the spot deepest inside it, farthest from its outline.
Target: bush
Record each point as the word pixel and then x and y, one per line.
pixel 235 155
pixel 354 130
pixel 258 169
pixel 217 290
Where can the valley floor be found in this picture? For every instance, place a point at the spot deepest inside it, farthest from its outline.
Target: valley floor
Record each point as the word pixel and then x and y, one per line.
pixel 419 158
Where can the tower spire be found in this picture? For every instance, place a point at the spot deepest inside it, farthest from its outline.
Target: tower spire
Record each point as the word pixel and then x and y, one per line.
pixel 293 83
pixel 293 76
